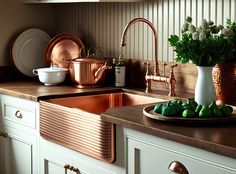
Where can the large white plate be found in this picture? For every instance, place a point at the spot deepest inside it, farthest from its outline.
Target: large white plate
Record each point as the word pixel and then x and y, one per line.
pixel 27 52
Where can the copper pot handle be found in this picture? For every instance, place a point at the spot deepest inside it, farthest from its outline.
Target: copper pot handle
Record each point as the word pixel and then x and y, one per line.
pixel 83 48
pixel 95 52
pixel 178 167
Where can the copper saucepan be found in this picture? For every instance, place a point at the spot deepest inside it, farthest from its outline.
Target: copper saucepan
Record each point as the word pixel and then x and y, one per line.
pixel 87 72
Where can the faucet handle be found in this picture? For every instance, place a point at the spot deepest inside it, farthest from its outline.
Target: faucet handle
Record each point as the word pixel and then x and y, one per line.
pixel 147 65
pixel 173 66
pixel 164 69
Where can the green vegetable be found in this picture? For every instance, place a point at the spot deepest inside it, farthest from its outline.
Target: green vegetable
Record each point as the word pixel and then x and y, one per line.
pixel 226 110
pixel 205 111
pixel 170 109
pixel 176 101
pixel 198 108
pixel 157 108
pixel 190 104
pixel 186 106
pixel 217 112
pixel 188 113
pixel 212 106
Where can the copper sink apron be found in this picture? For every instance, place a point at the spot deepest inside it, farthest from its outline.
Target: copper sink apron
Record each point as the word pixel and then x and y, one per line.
pixel 79 130
pixel 75 122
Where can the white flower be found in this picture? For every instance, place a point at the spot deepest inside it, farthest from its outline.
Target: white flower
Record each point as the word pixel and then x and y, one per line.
pixel 221 27
pixel 204 24
pixel 215 29
pixel 227 32
pixel 189 19
pixel 210 23
pixel 185 27
pixel 191 28
pixel 195 36
pixel 202 36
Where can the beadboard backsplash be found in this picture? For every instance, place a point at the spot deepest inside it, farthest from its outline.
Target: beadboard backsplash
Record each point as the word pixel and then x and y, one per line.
pixel 101 24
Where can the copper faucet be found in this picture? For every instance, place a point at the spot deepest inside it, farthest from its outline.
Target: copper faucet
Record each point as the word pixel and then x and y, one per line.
pixel 156 76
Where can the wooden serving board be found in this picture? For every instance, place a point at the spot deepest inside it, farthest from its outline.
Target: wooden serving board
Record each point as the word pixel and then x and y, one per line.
pixel 149 112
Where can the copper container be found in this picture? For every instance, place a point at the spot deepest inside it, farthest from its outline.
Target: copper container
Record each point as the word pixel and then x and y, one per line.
pixel 87 72
pixel 224 77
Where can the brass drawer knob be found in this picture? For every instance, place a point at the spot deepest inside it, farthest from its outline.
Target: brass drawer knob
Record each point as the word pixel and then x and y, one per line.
pixel 4 134
pixel 18 114
pixel 178 167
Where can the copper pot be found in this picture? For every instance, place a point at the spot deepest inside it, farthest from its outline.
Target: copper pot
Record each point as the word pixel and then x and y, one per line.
pixel 87 72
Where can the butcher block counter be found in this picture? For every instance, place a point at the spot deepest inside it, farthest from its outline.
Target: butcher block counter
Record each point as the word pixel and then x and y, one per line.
pixel 33 90
pixel 220 138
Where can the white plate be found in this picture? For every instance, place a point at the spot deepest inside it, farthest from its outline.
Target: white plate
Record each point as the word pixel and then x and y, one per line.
pixel 28 49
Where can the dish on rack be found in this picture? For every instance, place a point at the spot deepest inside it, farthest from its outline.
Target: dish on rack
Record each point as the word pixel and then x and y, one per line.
pixel 27 51
pixel 63 48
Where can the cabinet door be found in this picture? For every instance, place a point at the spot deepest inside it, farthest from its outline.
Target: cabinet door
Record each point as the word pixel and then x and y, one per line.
pixel 18 153
pixel 2 154
pixel 53 158
pixel 86 167
pixel 148 158
pixel 53 166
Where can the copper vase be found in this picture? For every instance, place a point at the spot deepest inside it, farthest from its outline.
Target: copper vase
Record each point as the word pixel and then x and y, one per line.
pixel 224 78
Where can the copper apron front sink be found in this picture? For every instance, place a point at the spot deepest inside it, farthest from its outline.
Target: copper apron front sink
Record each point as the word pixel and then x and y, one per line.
pixel 75 122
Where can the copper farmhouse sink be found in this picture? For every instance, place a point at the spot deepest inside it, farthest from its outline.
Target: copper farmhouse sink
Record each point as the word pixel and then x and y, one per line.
pixel 75 122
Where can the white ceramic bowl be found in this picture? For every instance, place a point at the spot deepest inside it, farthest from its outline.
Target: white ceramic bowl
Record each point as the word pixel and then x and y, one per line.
pixel 51 76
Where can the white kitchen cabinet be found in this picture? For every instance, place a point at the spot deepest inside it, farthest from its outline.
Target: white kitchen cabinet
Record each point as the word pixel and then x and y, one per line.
pixel 19 140
pixel 54 158
pixel 152 155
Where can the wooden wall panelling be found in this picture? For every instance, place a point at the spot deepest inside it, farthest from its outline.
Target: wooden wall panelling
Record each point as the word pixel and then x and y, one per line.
pixel 101 24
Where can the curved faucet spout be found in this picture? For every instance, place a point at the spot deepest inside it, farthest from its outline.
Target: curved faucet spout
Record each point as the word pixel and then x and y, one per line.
pixel 123 40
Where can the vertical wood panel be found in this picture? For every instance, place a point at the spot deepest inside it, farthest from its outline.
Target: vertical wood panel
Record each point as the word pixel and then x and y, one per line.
pixel 213 9
pixel 160 29
pixel 101 24
pixel 171 29
pixel 233 9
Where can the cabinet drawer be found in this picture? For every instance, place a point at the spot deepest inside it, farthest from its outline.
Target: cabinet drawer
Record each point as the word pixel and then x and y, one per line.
pixel 148 154
pixel 18 111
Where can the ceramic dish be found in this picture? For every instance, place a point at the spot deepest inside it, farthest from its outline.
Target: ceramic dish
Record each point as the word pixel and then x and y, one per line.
pixel 149 112
pixel 51 76
pixel 63 48
pixel 27 51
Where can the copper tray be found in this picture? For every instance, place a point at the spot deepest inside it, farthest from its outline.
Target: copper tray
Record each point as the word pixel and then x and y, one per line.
pixel 63 48
pixel 148 111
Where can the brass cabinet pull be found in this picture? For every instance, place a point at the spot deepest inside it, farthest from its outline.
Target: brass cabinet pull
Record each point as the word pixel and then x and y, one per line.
pixel 178 167
pixel 66 166
pixel 18 114
pixel 4 134
pixel 72 168
pixel 76 170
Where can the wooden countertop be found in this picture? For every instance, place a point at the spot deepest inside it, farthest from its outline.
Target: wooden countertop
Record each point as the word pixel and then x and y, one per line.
pixel 220 139
pixel 33 90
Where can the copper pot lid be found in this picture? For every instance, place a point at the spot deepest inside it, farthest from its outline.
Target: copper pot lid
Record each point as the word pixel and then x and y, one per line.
pixel 63 48
pixel 87 60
